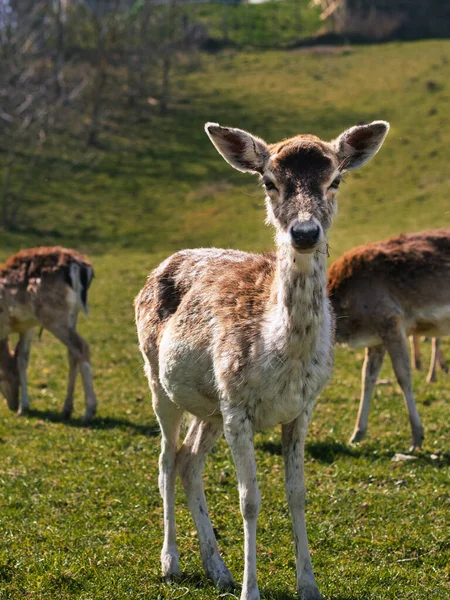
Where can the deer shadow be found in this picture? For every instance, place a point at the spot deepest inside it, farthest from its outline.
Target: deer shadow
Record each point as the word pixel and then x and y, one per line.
pixel 98 423
pixel 328 451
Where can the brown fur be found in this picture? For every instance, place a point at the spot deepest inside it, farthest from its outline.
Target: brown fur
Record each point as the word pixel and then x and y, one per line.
pixel 398 259
pixel 36 262
pixel 382 292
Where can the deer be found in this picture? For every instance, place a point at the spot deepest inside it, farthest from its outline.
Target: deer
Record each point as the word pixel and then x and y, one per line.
pixel 437 357
pixel 46 287
pixel 244 342
pixel 381 293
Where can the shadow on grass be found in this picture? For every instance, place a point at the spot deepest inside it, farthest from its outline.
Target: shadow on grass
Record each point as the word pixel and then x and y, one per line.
pixel 328 451
pixel 99 423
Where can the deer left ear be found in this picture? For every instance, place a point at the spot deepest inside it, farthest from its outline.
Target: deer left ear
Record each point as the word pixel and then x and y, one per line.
pixel 359 144
pixel 242 150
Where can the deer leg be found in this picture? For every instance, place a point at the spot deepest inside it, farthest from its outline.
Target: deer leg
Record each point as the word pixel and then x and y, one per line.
pixel 441 358
pixel 239 435
pixel 370 371
pixel 23 355
pixel 431 377
pixel 190 462
pixel 169 418
pixel 415 352
pixel 79 349
pixel 73 372
pixel 293 441
pixel 397 346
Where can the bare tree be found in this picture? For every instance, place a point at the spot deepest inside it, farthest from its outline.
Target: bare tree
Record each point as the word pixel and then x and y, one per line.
pixel 32 94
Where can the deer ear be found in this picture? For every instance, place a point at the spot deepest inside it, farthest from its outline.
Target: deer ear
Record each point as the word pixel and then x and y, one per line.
pixel 359 144
pixel 242 150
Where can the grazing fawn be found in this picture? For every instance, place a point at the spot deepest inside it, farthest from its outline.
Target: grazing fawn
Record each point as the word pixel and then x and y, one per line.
pixel 437 357
pixel 44 287
pixel 382 292
pixel 245 342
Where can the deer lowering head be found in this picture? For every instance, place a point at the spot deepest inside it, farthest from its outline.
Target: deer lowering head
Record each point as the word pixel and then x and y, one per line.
pixel 245 342
pixel 46 287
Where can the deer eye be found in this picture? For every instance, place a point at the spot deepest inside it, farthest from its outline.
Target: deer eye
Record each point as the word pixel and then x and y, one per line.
pixel 335 184
pixel 269 185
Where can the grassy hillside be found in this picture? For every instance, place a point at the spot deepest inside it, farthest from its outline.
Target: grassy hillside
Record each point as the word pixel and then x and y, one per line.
pixel 80 513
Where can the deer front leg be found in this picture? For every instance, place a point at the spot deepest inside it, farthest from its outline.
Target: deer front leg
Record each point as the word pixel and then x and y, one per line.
pixel 370 371
pixel 293 442
pixel 239 435
pixel 23 355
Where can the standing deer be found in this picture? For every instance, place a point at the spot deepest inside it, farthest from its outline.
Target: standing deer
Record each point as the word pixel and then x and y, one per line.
pixel 46 287
pixel 437 357
pixel 245 341
pixel 382 292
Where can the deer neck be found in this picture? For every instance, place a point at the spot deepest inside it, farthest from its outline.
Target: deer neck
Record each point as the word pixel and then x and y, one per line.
pixel 298 299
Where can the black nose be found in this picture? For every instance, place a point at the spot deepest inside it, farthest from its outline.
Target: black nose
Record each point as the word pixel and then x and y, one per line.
pixel 304 235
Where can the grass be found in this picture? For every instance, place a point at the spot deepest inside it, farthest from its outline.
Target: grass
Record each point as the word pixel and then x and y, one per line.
pixel 80 513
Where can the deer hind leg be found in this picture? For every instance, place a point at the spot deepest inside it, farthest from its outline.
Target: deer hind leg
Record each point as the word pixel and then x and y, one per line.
pixel 23 355
pixel 169 418
pixel 397 346
pixel 293 441
pixel 436 356
pixel 73 372
pixel 190 462
pixel 239 435
pixel 415 352
pixel 441 358
pixel 79 349
pixel 371 369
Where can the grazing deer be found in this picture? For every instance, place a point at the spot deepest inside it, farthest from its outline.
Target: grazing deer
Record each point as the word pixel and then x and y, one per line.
pixel 46 287
pixel 245 341
pixel 382 292
pixel 437 356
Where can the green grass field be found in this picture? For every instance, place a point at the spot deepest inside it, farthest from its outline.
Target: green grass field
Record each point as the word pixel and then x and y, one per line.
pixel 80 513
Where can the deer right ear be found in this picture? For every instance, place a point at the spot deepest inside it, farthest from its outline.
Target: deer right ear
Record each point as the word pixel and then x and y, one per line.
pixel 243 151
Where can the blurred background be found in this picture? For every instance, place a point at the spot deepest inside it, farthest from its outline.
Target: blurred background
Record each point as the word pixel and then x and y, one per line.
pixel 102 106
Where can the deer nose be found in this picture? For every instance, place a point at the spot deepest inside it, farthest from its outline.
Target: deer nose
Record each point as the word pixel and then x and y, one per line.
pixel 304 235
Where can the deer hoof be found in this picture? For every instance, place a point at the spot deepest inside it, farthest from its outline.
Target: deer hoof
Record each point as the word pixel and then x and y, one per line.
pixel 220 575
pixel 170 566
pixel 88 418
pixel 357 436
pixel 309 593
pixel 66 414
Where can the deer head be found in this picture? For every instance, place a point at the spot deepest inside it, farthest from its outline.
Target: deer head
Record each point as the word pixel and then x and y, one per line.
pixel 300 176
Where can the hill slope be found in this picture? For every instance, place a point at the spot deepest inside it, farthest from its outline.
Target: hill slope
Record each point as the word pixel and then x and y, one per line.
pixel 81 514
